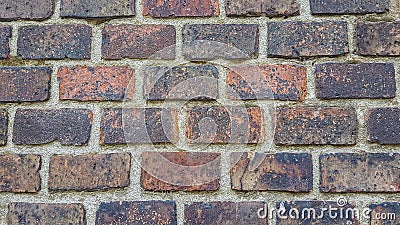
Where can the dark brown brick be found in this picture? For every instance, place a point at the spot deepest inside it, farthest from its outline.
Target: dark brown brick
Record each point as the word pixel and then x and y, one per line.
pixel 360 172
pixel 3 126
pixel 5 35
pixel 383 125
pixel 387 213
pixel 180 171
pixel 271 172
pixel 378 39
pixel 280 82
pixel 180 83
pixel 45 213
pixel 366 80
pixel 55 42
pixel 180 8
pixel 139 125
pixel 270 8
pixel 41 126
pixel 202 42
pixel 26 9
pixel 24 84
pixel 225 125
pixel 316 126
pixel 97 8
pixel 89 172
pixel 307 39
pixel 139 42
pixel 149 212
pixel 100 83
pixel 348 6
pixel 240 213
pixel 19 173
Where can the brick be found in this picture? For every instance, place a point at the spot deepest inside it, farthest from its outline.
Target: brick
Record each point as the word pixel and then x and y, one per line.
pixel 55 42
pixel 360 172
pixel 316 126
pixel 307 39
pixel 180 171
pixel 97 8
pixel 89 172
pixel 25 84
pixel 365 80
pixel 202 42
pixel 180 83
pixel 139 126
pixel 46 213
pixel 279 82
pixel 271 172
pixel 225 125
pixel 26 9
pixel 240 213
pixel 100 83
pixel 270 8
pixel 378 39
pixel 387 213
pixel 5 35
pixel 139 42
pixel 348 7
pixel 383 125
pixel 180 8
pixel 20 173
pixel 41 126
pixel 145 212
pixel 3 127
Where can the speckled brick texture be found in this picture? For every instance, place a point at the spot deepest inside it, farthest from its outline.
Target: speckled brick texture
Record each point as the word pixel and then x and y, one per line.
pixel 385 213
pixel 348 7
pixel 270 8
pixel 383 125
pixel 26 9
pixel 180 8
pixel 97 8
pixel 3 126
pixel 5 35
pixel 378 38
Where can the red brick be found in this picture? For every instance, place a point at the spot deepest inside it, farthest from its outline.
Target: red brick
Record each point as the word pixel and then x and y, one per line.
pixel 387 213
pixel 97 8
pixel 5 35
pixel 280 82
pixel 348 7
pixel 383 125
pixel 180 171
pixel 3 126
pixel 100 83
pixel 270 8
pixel 26 9
pixel 180 8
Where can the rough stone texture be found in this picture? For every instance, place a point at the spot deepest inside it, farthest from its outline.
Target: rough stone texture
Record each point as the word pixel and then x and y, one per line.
pixel 41 126
pixel 100 83
pixel 202 42
pixel 360 172
pixel 26 9
pixel 97 8
pixel 25 84
pixel 383 125
pixel 19 173
pixel 316 126
pixel 139 42
pixel 180 83
pixel 378 39
pixel 5 35
pixel 149 212
pixel 138 126
pixel 271 172
pixel 225 125
pixel 55 42
pixel 279 82
pixel 366 80
pixel 270 8
pixel 180 171
pixel 240 213
pixel 180 8
pixel 89 172
pixel 307 39
pixel 319 7
pixel 45 214
pixel 387 213
pixel 3 127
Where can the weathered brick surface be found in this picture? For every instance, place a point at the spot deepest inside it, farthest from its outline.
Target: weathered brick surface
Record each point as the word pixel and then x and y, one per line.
pixel 55 42
pixel 5 35
pixel 97 8
pixel 270 8
pixel 378 39
pixel 41 126
pixel 89 172
pixel 184 171
pixel 240 213
pixel 348 6
pixel 19 173
pixel 180 8
pixel 138 42
pixel 360 172
pixel 307 39
pixel 149 212
pixel 100 83
pixel 225 125
pixel 139 125
pixel 366 80
pixel 180 83
pixel 26 9
pixel 387 213
pixel 280 82
pixel 46 214
pixel 383 125
pixel 316 126
pixel 203 42
pixel 3 126
pixel 271 172
pixel 24 84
